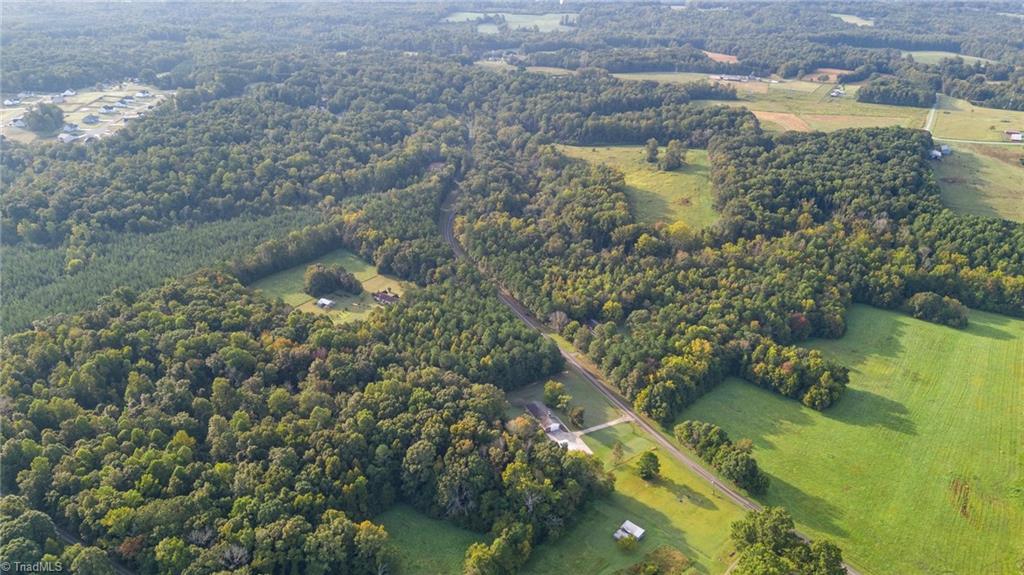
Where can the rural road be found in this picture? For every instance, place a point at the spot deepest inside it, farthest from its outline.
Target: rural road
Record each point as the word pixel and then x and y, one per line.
pixel 448 229
pixel 930 123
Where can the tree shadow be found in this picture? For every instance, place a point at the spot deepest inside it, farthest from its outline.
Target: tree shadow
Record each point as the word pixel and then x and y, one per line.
pixel 685 494
pixel 985 326
pixel 868 409
pixel 823 514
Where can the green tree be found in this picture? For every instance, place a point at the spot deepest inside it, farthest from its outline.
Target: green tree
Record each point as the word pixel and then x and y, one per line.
pixel 576 416
pixel 649 466
pixel 555 395
pixel 674 156
pixel 44 118
pixel 651 151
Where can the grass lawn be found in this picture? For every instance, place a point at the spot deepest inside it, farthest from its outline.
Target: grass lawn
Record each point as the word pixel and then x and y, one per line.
pixel 426 546
pixel 679 510
pixel 657 196
pixel 959 119
pixel 984 180
pixel 855 20
pixel 596 408
pixel 935 56
pixel 548 22
pixel 287 285
pixel 919 468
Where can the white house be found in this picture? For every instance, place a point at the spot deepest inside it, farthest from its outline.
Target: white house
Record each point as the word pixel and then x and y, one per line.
pixel 66 138
pixel 12 101
pixel 68 128
pixel 935 154
pixel 56 99
pixel 18 122
pixel 91 119
pixel 324 303
pixel 629 528
pixel 143 94
pixel 69 93
pixel 107 109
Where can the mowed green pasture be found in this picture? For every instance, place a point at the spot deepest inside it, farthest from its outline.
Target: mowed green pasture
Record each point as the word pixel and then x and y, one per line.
pixel 547 22
pixel 655 195
pixel 426 546
pixel 596 408
pixel 936 56
pixel 919 468
pixel 678 510
pixel 288 284
pixel 983 179
pixel 961 120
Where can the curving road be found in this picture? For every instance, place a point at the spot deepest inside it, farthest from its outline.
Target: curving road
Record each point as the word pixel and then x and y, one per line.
pixel 447 225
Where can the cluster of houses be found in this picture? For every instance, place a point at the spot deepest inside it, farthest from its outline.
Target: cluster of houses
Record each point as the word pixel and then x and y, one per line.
pixel 71 131
pixel 940 152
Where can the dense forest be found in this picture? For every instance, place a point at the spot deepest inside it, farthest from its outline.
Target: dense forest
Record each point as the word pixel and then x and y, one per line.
pixel 167 419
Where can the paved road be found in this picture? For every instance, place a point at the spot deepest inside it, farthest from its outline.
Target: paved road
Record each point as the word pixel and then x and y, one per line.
pixel 447 228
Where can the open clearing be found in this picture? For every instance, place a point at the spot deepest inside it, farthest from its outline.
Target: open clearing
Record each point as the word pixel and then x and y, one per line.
pixel 657 196
pixel 929 433
pixel 831 73
pixel 855 20
pixel 962 120
pixel 287 285
pixel 983 180
pixel 808 101
pixel 596 408
pixel 934 56
pixel 720 57
pixel 502 66
pixel 782 121
pixel 426 545
pixel 681 513
pixel 84 103
pixel 548 22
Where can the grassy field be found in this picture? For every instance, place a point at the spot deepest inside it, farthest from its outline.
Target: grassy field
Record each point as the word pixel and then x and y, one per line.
pixel 961 120
pixel 934 56
pixel 287 285
pixel 985 180
pixel 855 20
pixel 919 468
pixel 597 410
pixel 548 22
pixel 426 546
pixel 501 66
pixel 81 105
pixel 679 510
pixel 802 105
pixel 682 514
pixel 657 196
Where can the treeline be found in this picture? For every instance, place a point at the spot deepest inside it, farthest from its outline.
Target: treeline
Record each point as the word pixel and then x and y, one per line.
pixel 896 91
pixel 768 544
pixel 810 223
pixel 733 460
pixel 198 427
pixel 619 60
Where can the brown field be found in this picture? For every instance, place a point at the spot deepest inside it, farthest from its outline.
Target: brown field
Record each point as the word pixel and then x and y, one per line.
pixel 719 57
pixel 785 120
pixel 832 73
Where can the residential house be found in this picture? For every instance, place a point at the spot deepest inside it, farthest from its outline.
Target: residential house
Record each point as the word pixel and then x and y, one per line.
pixel 91 119
pixel 67 93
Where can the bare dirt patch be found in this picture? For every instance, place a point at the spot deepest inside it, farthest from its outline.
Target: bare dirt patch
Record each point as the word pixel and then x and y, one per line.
pixel 785 119
pixel 719 57
pixel 832 73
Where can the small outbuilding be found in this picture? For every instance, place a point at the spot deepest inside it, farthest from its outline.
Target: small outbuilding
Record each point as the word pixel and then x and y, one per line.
pixel 69 92
pixel 627 529
pixel 66 138
pixel 945 149
pixel 935 154
pixel 324 303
